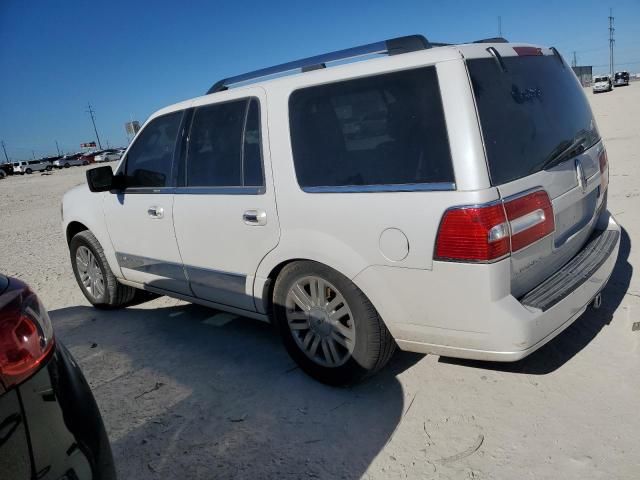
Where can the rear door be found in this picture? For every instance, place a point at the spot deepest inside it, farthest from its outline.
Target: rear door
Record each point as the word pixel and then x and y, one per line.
pixel 539 133
pixel 225 207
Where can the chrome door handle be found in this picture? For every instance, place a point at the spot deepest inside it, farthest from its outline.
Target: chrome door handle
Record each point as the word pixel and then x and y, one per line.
pixel 155 212
pixel 255 217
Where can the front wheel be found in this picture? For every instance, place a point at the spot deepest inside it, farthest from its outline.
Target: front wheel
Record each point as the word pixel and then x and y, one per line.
pixel 49 168
pixel 328 325
pixel 93 274
pixel 66 165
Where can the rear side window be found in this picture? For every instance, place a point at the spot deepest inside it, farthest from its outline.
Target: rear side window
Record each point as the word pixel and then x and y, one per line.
pixel 150 158
pixel 382 130
pixel 530 114
pixel 225 146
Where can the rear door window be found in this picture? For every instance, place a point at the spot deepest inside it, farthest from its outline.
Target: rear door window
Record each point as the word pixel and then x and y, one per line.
pixel 382 130
pixel 225 146
pixel 529 114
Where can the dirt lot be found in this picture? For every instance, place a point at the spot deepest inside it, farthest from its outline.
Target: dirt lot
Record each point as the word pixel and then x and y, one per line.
pixel 186 395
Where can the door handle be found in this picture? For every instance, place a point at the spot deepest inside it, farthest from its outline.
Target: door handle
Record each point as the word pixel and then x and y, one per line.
pixel 255 217
pixel 155 212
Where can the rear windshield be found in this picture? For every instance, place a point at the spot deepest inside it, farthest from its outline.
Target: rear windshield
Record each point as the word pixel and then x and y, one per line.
pixel 622 75
pixel 601 79
pixel 530 113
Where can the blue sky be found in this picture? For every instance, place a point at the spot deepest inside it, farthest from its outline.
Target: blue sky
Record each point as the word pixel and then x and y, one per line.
pixel 129 58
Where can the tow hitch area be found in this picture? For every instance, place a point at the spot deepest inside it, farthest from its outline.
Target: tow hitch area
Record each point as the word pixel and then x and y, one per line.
pixel 597 301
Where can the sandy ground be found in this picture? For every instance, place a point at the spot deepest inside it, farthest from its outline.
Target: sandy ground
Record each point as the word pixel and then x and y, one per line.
pixel 186 395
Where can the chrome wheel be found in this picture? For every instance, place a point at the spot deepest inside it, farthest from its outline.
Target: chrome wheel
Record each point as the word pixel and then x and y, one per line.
pixel 89 272
pixel 320 321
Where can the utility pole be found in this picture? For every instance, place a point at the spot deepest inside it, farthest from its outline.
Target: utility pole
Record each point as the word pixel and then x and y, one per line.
pixel 5 151
pixel 499 26
pixel 33 154
pixel 57 147
pixel 611 42
pixel 93 120
pixel 575 60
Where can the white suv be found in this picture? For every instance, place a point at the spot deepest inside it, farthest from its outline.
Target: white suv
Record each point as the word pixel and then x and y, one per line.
pixel 31 166
pixel 444 199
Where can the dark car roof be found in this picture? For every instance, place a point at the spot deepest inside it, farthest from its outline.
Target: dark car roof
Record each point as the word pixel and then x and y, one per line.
pixel 4 283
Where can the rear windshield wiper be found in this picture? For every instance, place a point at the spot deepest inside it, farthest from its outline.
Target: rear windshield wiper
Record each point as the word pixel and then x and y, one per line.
pixel 563 152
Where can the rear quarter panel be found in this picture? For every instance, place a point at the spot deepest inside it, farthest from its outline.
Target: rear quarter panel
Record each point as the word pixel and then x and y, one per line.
pixel 343 230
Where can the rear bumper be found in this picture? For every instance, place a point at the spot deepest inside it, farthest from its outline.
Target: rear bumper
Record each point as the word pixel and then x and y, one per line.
pixel 465 311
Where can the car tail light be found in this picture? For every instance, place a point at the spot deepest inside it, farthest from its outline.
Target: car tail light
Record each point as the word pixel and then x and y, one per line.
pixel 490 232
pixel 528 51
pixel 473 234
pixel 604 169
pixel 26 336
pixel 530 218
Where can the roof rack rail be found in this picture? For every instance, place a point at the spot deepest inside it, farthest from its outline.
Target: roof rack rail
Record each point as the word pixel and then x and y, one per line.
pixel 492 40
pixel 393 46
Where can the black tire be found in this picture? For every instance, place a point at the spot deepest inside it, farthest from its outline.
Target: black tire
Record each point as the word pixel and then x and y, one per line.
pixel 49 168
pixel 2 174
pixel 29 171
pixel 115 294
pixel 66 165
pixel 374 345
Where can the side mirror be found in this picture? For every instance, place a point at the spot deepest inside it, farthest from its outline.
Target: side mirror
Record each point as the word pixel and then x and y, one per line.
pixel 101 179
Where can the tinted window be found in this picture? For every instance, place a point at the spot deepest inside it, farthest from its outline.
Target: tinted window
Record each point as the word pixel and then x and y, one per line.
pixel 382 130
pixel 252 149
pixel 150 158
pixel 529 114
pixel 224 146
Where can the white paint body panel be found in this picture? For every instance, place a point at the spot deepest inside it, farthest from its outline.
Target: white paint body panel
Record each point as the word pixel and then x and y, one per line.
pixel 465 310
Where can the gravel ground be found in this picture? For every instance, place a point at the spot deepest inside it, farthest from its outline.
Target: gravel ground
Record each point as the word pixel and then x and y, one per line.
pixel 186 393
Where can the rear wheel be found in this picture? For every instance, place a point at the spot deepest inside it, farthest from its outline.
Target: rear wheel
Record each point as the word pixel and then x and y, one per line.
pixel 328 325
pixel 92 272
pixel 66 165
pixel 29 171
pixel 2 174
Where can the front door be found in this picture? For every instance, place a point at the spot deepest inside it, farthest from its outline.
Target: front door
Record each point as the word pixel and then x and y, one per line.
pixel 224 206
pixel 140 217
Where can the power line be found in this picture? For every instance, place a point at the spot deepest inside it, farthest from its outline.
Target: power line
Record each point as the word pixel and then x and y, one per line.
pixel 5 151
pixel 91 112
pixel 611 41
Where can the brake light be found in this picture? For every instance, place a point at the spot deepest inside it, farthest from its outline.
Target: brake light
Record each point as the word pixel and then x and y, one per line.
pixel 528 51
pixel 490 232
pixel 473 234
pixel 26 336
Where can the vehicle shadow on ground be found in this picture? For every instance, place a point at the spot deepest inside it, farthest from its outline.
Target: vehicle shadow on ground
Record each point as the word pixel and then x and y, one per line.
pixel 576 337
pixel 185 399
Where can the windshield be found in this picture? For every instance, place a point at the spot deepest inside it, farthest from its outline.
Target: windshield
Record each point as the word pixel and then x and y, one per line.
pixel 601 79
pixel 529 113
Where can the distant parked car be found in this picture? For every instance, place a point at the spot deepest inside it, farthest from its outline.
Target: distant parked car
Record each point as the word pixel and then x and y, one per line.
pixel 90 157
pixel 602 84
pixel 6 169
pixel 31 166
pixel 50 425
pixel 70 161
pixel 108 156
pixel 621 78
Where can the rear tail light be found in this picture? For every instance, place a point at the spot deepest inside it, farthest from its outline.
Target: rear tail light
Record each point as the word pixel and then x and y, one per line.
pixel 26 337
pixel 487 233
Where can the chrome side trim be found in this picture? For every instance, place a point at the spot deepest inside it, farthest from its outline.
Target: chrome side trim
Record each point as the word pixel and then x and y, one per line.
pixel 527 221
pixel 213 285
pixel 239 190
pixel 151 266
pixel 409 187
pixel 147 190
